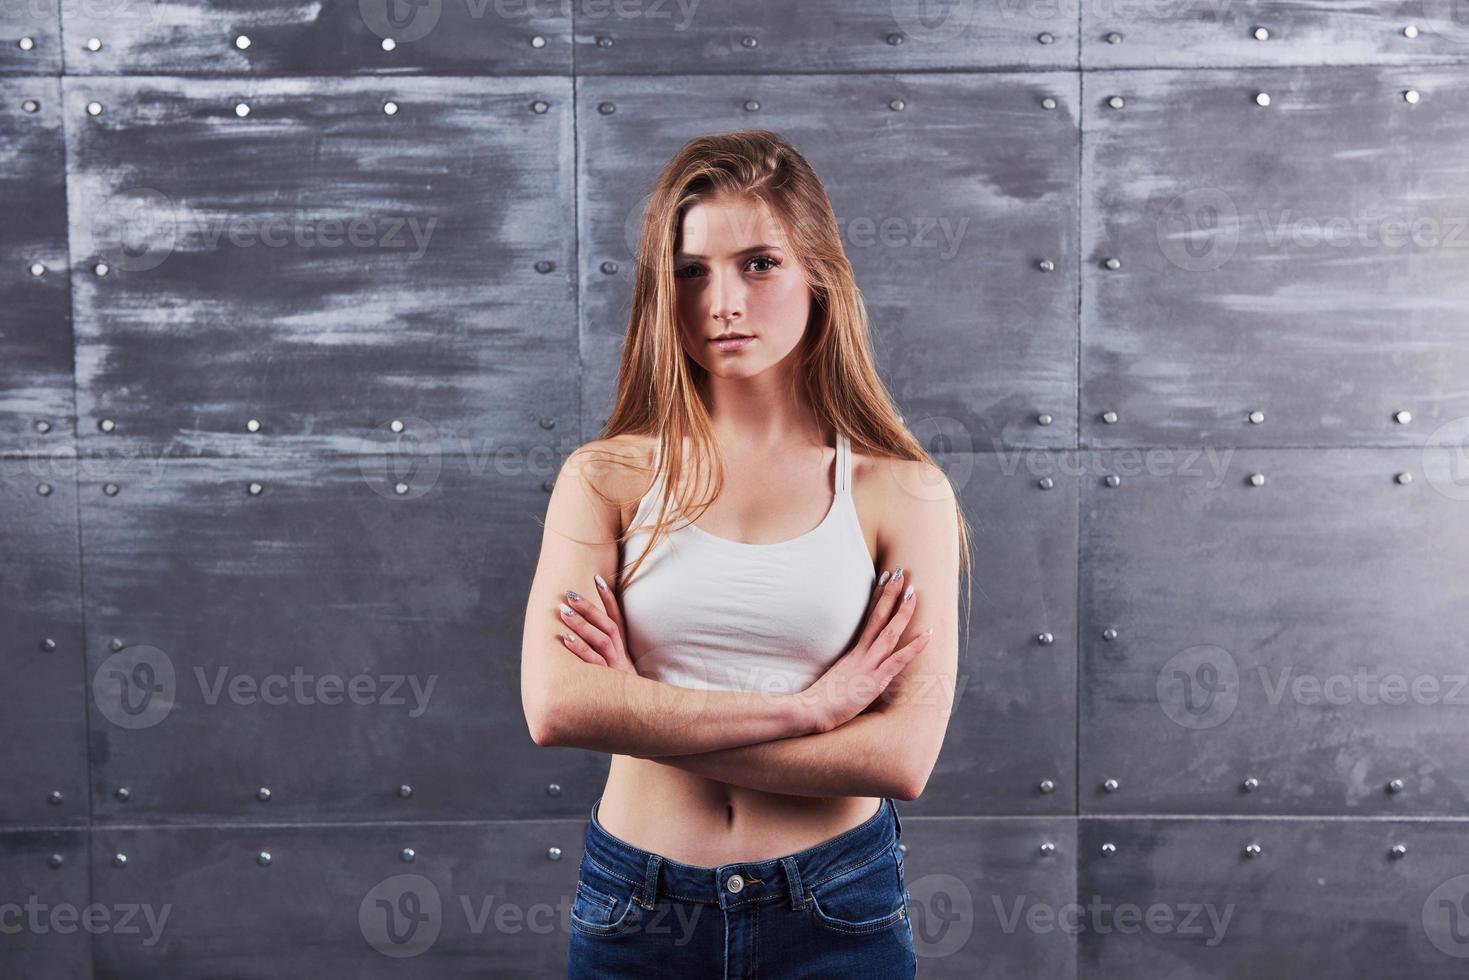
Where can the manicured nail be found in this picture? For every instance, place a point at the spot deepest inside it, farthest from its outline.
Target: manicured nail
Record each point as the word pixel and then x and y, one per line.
pixel 573 597
pixel 601 583
pixel 884 580
pixel 565 609
pixel 899 572
pixel 908 593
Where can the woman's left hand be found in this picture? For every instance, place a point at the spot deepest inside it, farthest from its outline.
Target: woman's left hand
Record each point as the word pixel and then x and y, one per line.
pixel 596 629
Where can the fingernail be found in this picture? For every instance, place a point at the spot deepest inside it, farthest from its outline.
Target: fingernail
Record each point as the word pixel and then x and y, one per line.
pixel 573 597
pixel 899 572
pixel 601 583
pixel 884 580
pixel 565 609
pixel 908 593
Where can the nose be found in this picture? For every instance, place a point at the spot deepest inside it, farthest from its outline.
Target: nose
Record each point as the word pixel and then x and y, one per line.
pixel 726 296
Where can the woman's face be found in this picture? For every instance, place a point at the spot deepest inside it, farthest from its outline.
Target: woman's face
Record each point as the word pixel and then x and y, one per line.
pixel 734 275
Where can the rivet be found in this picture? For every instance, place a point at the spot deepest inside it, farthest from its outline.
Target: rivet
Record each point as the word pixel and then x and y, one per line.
pixel 1410 31
pixel 44 489
pixel 1110 785
pixel 539 107
pixel 1256 417
pixel 123 794
pixel 55 797
pixel 242 41
pixel 545 265
pixel 1048 103
pixel 115 643
pixel 1257 479
pixel 405 791
pixel 537 41
pixel 1046 639
pixel 1262 34
pixel 49 645
pixel 554 789
pixel 101 268
pixel 396 425
pixel 56 860
pixel 400 488
pixel 30 105
pixel 94 108
pixel 1110 417
pixel 43 426
pixel 1109 849
pixel 242 109
pixel 253 425
pixel 1045 483
pixel 1043 419
pixel 752 106
pixel 119 859
pixel 1398 850
pixel 1047 786
pixel 749 42
pixel 1045 37
pixel 609 268
pixel 1262 98
pixel 1046 265
pixel 1410 97
pixel 604 42
pixel 263 859
pixel 389 44
pixel 94 44
pixel 895 39
pixel 390 108
pixel 1113 263
pixel 1250 784
pixel 1048 848
pixel 263 794
pixel 1403 418
pixel 110 489
pixel 37 269
pixel 1109 634
pixel 903 847
pixel 548 423
pixel 25 43
pixel 1116 102
pixel 1112 479
pixel 1252 850
pixel 1395 786
pixel 897 105
pixel 407 855
pixel 255 489
pixel 1114 38
pixel 606 108
pixel 553 854
pixel 1404 478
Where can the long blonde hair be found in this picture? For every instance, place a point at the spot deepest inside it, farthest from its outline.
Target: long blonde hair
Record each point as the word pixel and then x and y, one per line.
pixel 657 392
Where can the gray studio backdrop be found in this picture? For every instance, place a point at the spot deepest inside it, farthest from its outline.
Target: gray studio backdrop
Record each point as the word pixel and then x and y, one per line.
pixel 303 305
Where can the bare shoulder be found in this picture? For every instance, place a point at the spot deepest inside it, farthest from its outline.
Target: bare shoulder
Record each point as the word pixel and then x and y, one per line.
pixel 615 471
pixel 895 495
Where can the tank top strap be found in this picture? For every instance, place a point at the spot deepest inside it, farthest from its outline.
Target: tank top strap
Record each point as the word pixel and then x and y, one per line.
pixel 843 463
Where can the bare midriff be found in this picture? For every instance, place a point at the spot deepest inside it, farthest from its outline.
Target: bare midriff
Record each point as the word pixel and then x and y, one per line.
pixel 696 820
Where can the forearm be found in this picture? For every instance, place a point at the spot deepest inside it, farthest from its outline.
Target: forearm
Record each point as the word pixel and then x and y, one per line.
pixel 619 712
pixel 860 758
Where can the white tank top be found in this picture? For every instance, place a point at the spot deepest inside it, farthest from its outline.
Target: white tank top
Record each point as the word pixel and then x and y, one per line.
pixel 712 613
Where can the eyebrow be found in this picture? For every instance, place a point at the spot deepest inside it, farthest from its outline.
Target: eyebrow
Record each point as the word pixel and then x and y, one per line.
pixel 681 256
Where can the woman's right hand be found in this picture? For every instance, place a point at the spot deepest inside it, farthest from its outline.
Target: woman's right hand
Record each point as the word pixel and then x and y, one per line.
pixel 864 671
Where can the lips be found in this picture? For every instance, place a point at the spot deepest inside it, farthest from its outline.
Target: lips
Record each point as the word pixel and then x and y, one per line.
pixel 728 336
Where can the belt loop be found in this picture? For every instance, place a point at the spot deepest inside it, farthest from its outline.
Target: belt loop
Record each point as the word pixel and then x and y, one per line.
pixel 897 822
pixel 793 875
pixel 650 882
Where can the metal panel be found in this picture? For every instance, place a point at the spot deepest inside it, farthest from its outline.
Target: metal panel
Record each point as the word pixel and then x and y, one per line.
pixel 1307 632
pixel 1296 32
pixel 330 37
pixel 822 36
pixel 43 729
pixel 988 353
pixel 477 900
pixel 1270 256
pixel 329 639
pixel 1182 899
pixel 319 265
pixel 46 900
pixel 985 900
pixel 35 332
pixel 31 36
pixel 1012 687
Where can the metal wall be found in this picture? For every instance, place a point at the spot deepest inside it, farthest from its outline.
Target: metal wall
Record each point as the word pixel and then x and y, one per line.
pixel 303 305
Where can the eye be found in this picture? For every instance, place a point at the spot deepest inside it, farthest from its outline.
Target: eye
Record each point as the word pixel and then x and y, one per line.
pixel 686 271
pixel 774 263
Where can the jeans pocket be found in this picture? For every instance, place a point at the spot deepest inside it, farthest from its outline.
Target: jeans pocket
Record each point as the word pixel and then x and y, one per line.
pixel 865 899
pixel 604 904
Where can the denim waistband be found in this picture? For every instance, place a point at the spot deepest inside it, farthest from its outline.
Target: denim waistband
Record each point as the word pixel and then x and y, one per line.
pixel 743 882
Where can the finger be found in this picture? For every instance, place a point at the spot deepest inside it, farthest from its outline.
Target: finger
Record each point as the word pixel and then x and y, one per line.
pixel 591 635
pixel 589 611
pixel 609 601
pixel 576 646
pixel 901 658
pixel 887 639
pixel 882 605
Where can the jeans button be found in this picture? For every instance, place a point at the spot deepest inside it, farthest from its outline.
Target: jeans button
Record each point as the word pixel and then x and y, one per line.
pixel 735 883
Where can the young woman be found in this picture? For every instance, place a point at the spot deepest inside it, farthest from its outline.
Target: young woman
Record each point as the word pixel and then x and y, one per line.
pixel 765 694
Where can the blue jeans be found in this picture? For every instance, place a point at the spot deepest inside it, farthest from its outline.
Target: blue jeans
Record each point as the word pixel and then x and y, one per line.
pixel 837 909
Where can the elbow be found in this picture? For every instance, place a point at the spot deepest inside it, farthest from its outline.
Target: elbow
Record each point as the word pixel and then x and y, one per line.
pixel 541 719
pixel 911 780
